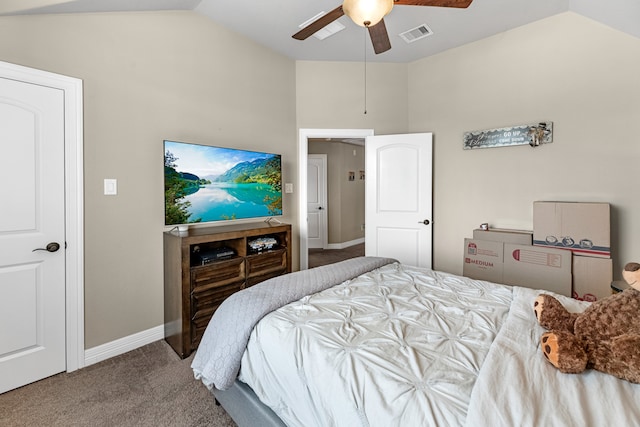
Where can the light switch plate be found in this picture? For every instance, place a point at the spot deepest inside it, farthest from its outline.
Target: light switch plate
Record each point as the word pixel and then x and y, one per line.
pixel 288 187
pixel 110 187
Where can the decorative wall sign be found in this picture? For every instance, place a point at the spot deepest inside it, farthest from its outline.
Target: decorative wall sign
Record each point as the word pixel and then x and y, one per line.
pixel 533 134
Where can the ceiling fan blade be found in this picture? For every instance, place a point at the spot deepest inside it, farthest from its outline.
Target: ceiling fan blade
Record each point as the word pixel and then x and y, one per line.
pixel 379 37
pixel 319 23
pixel 439 3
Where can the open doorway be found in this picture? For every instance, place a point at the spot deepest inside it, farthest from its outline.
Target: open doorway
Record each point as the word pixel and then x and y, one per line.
pixel 305 137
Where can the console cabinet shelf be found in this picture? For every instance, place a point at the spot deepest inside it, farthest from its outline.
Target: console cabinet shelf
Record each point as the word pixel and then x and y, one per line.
pixel 196 282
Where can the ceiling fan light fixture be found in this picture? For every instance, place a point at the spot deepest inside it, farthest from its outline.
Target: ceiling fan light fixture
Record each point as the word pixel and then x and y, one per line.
pixel 367 13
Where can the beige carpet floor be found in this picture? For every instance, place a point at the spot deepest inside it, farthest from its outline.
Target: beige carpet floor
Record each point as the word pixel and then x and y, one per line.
pixel 149 386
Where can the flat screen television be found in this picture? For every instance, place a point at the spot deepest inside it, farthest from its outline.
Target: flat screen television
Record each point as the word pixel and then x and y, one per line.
pixel 204 183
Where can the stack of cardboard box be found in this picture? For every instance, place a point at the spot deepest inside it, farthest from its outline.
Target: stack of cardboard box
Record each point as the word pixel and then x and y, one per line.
pixel 584 229
pixel 508 256
pixel 568 251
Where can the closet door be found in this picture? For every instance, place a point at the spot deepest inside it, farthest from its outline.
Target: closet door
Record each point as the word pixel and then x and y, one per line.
pixel 32 233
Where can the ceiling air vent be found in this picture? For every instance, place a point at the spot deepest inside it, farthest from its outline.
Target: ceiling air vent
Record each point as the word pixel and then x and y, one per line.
pixel 417 33
pixel 327 30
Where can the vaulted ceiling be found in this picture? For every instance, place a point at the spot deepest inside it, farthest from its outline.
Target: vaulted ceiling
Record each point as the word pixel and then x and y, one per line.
pixel 273 22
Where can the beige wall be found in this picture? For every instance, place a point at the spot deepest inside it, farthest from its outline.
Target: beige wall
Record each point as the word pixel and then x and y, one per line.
pixel 331 95
pixel 345 210
pixel 579 74
pixel 149 77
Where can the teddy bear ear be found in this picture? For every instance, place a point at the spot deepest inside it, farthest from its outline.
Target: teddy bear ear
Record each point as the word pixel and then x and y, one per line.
pixel 631 273
pixel 632 266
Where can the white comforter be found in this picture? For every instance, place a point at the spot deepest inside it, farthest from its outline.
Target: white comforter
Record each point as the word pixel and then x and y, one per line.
pixel 429 333
pixel 446 351
pixel 518 387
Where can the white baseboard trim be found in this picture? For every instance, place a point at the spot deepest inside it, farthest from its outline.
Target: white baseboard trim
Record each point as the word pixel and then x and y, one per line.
pixel 122 345
pixel 345 244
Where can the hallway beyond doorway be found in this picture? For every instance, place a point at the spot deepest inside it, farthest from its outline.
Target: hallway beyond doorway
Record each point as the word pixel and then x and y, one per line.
pixel 318 257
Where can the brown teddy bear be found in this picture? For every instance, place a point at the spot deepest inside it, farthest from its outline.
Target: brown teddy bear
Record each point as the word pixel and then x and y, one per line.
pixel 605 337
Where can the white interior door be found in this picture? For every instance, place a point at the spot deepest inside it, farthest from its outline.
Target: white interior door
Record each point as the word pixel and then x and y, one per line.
pixel 32 282
pixel 317 201
pixel 398 204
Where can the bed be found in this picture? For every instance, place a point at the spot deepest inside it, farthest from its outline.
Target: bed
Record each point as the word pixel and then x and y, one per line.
pixel 372 342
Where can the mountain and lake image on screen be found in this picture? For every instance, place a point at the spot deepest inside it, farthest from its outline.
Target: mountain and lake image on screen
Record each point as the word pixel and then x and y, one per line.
pixel 204 183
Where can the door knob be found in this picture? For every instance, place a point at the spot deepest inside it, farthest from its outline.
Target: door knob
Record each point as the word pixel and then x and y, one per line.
pixel 425 222
pixel 319 208
pixel 51 247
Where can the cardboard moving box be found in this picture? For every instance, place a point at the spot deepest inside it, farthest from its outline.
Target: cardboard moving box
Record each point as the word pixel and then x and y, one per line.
pixel 583 228
pixel 483 260
pixel 538 268
pixel 592 278
pixel 503 235
pixel 520 265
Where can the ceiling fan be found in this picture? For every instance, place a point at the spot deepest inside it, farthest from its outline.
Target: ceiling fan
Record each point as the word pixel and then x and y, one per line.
pixel 370 14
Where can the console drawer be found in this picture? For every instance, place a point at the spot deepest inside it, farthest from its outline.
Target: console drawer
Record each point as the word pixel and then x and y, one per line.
pixel 254 280
pixel 203 301
pixel 204 304
pixel 219 273
pixel 267 263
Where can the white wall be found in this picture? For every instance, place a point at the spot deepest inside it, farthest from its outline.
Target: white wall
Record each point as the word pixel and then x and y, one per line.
pixel 579 74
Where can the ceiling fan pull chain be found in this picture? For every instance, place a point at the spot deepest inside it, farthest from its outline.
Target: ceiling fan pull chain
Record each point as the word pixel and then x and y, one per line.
pixel 365 70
